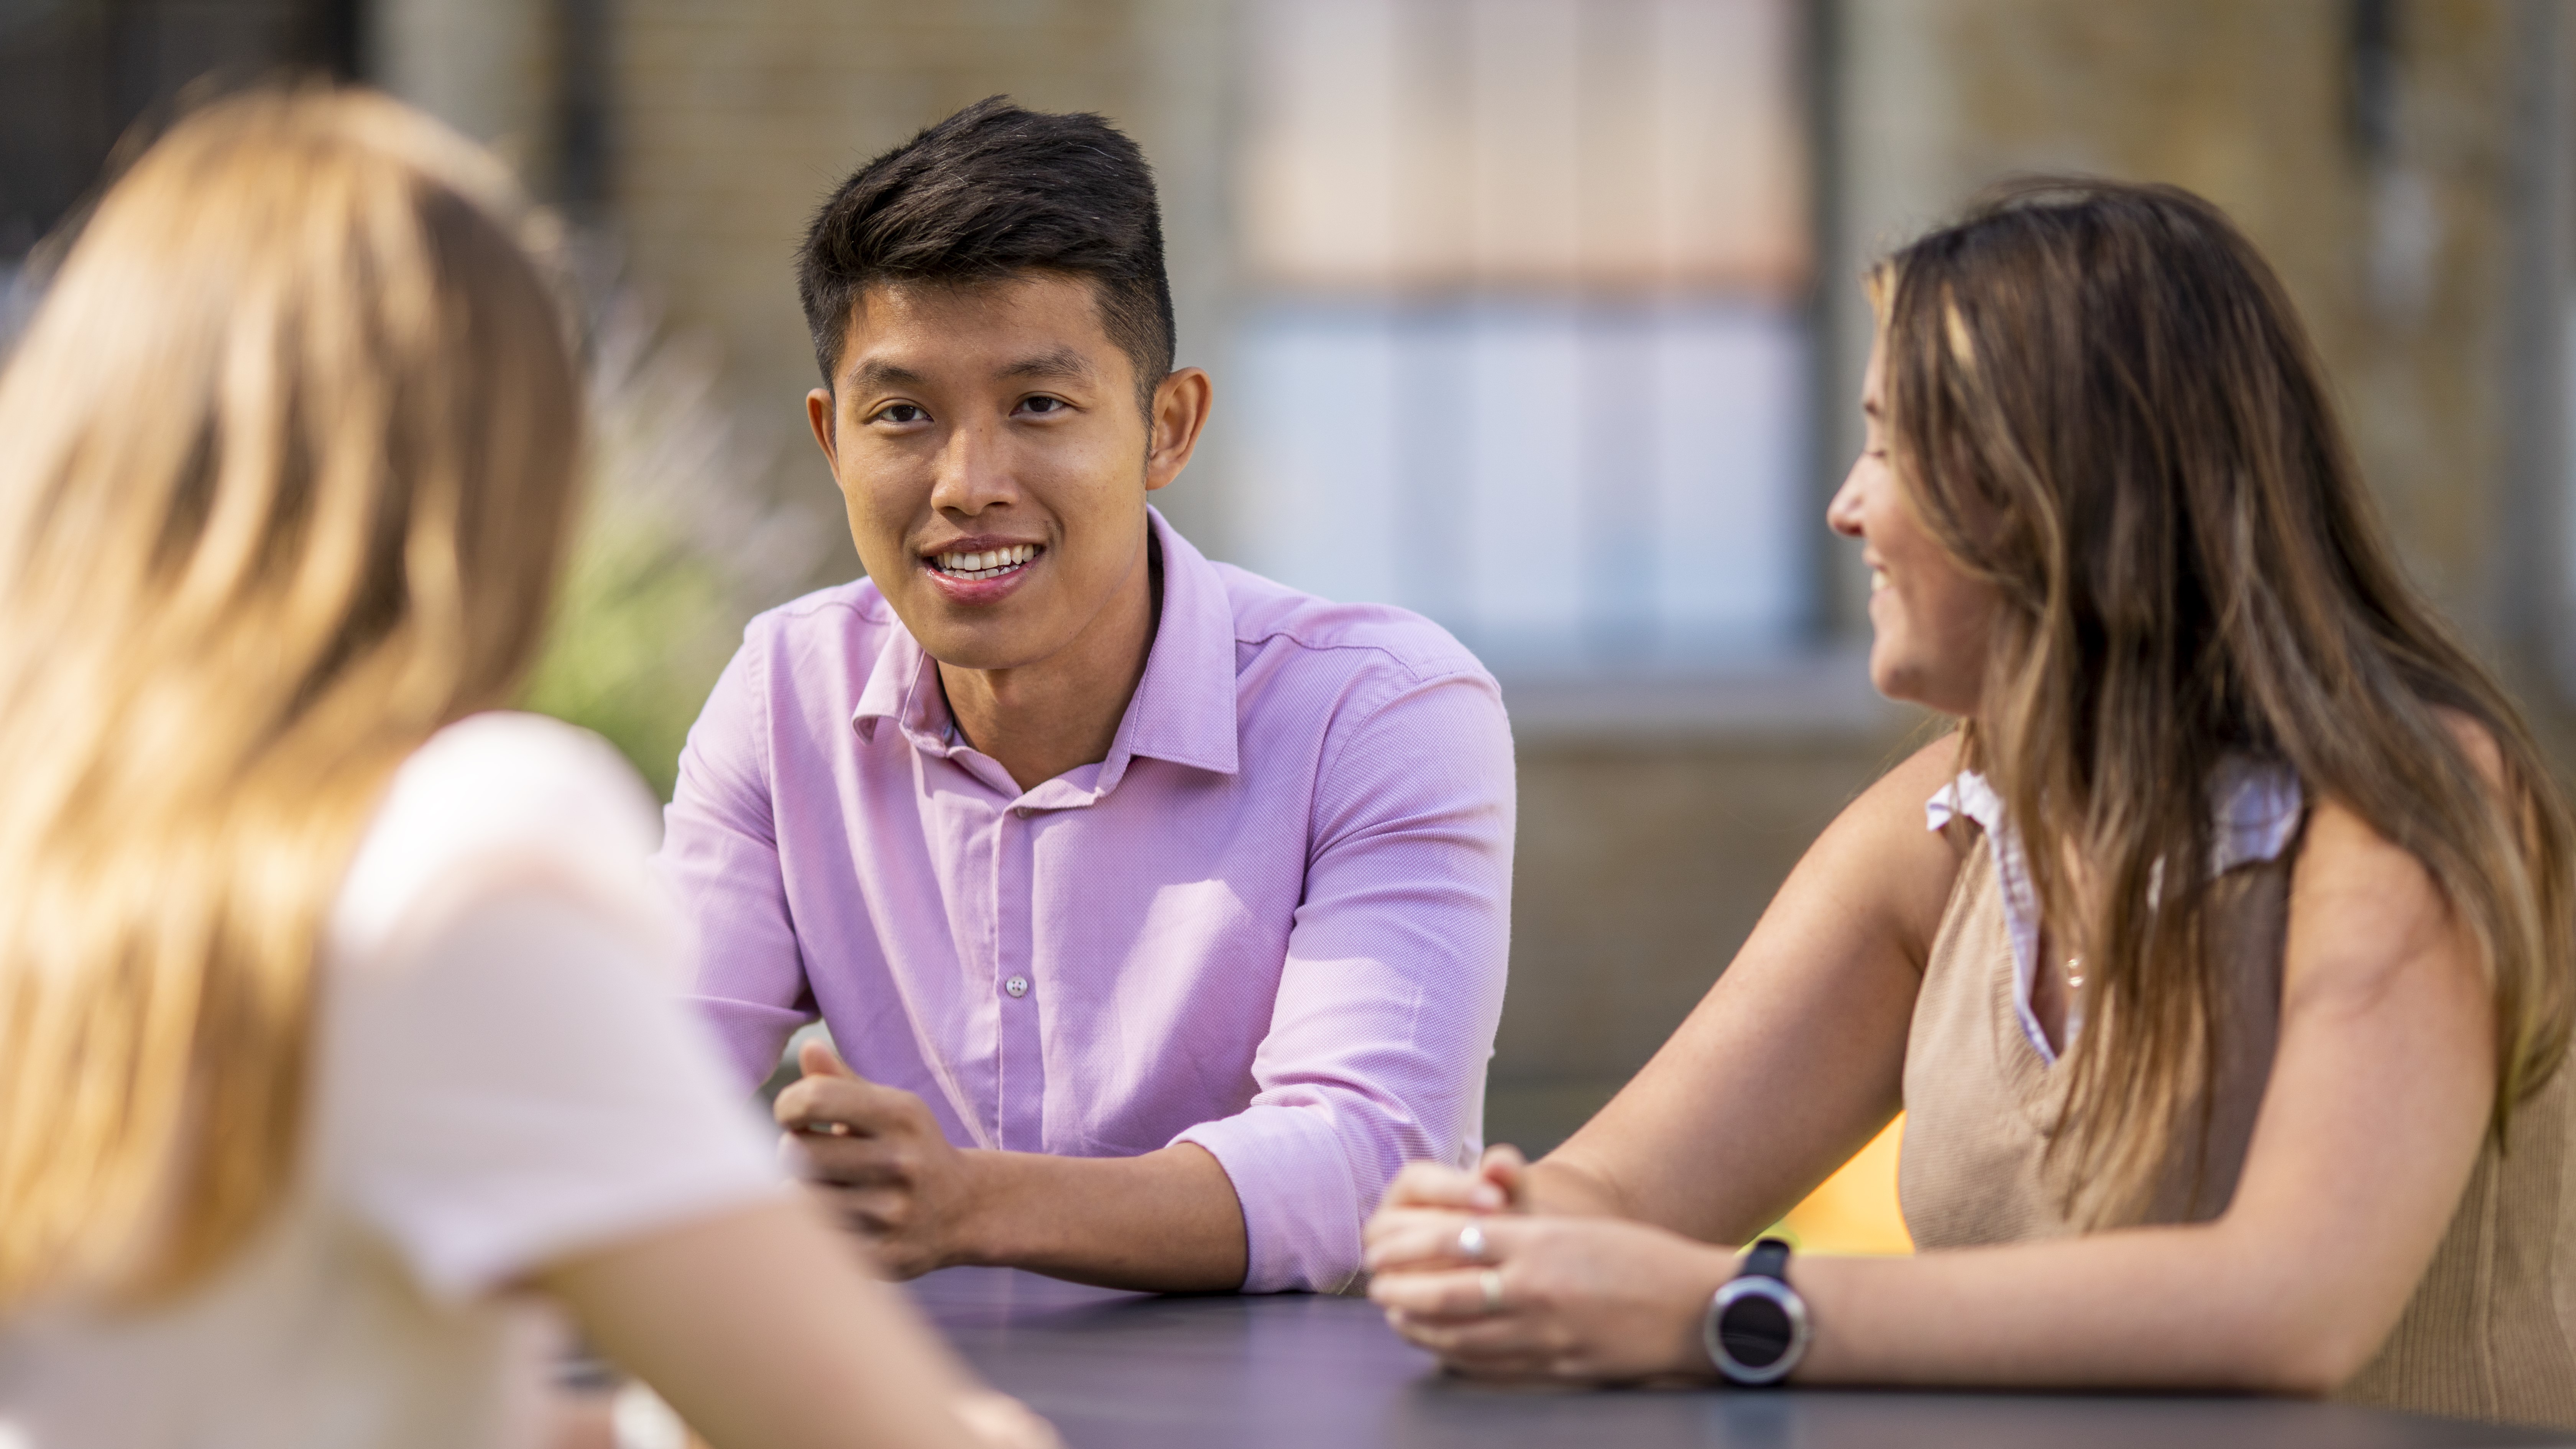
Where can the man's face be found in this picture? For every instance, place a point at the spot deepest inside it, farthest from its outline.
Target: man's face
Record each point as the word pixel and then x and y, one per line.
pixel 994 462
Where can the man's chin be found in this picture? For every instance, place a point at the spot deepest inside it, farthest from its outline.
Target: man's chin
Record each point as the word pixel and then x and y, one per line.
pixel 987 645
pixel 983 661
pixel 1002 635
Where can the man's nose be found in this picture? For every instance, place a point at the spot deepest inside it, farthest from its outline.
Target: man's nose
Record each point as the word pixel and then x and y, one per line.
pixel 973 471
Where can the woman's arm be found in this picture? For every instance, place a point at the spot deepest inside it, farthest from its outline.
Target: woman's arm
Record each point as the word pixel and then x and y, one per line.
pixel 760 1330
pixel 1789 1064
pixel 2370 1125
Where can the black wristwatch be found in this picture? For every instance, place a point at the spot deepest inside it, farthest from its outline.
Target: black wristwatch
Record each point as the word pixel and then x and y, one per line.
pixel 1757 1324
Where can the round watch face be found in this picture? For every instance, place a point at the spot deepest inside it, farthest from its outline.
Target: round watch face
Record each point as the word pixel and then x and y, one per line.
pixel 1756 1331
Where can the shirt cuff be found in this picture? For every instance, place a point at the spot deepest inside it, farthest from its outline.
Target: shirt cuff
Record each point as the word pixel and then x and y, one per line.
pixel 1301 1206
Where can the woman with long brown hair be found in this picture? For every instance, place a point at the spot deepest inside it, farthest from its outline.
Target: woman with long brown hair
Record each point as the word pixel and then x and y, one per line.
pixel 2221 960
pixel 334 1029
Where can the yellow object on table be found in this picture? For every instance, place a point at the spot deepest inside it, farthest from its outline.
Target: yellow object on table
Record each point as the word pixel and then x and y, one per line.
pixel 1854 1211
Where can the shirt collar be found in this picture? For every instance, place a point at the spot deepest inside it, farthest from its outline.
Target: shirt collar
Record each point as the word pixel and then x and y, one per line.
pixel 2254 804
pixel 1184 706
pixel 1184 709
pixel 902 686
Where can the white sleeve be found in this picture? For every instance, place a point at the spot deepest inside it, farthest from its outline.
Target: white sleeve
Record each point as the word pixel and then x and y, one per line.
pixel 505 1078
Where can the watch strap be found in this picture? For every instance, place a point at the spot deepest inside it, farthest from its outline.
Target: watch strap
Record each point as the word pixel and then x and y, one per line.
pixel 1768 1258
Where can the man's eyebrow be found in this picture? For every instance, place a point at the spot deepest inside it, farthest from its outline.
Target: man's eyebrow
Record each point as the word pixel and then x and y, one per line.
pixel 1062 362
pixel 875 374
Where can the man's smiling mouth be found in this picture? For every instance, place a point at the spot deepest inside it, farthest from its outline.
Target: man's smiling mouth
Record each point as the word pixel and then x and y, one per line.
pixel 989 564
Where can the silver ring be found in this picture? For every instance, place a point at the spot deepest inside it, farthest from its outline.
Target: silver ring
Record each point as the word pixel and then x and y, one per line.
pixel 1491 1280
pixel 1471 1241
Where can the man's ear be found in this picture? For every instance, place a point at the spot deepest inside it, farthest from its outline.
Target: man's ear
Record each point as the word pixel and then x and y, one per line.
pixel 818 416
pixel 1181 404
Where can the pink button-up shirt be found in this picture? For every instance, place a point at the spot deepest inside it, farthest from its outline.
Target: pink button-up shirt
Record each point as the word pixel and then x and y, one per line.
pixel 1272 922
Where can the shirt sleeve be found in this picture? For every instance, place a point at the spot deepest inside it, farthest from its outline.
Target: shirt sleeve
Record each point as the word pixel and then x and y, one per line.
pixel 504 1078
pixel 1393 986
pixel 719 864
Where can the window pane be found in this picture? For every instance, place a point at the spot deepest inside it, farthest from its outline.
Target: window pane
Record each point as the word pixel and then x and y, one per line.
pixel 1527 350
pixel 1495 143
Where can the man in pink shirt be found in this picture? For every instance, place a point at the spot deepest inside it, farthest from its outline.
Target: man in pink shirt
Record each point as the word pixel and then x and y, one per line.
pixel 1159 911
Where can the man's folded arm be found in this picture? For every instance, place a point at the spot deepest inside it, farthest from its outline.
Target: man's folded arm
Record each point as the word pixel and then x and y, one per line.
pixel 719 864
pixel 1393 985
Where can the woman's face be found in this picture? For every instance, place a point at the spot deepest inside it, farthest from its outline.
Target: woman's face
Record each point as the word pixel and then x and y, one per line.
pixel 1930 621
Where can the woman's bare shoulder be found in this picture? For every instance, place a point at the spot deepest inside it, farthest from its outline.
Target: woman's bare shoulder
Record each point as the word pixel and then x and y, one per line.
pixel 1881 855
pixel 2361 906
pixel 1894 809
pixel 2340 843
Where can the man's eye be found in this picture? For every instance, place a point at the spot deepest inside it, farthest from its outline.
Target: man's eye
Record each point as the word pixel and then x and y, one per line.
pixel 901 413
pixel 1042 405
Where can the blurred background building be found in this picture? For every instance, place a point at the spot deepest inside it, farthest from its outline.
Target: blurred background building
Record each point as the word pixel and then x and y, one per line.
pixel 1539 316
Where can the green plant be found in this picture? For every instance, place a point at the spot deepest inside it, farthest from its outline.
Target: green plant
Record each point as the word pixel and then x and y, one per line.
pixel 676 549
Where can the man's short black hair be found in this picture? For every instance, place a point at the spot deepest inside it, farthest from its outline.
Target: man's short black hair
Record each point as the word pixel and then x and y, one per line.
pixel 996 191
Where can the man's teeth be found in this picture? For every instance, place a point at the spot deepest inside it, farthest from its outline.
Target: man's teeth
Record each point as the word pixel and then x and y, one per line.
pixel 1877 580
pixel 987 563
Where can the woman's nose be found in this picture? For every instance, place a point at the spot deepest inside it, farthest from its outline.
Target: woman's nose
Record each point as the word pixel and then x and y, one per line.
pixel 1842 515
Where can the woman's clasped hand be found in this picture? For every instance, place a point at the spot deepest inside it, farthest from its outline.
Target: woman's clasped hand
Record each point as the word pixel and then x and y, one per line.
pixel 1464 1269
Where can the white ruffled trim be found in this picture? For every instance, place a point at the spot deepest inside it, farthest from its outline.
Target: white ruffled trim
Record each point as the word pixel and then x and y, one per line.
pixel 2256 809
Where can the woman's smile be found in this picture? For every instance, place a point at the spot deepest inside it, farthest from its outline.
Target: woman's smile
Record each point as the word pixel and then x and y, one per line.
pixel 1931 620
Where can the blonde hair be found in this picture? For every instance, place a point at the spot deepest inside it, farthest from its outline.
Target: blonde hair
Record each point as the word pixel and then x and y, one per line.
pixel 286 458
pixel 2101 401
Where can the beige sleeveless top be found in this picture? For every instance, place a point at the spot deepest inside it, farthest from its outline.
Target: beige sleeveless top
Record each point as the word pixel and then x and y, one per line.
pixel 2491 1330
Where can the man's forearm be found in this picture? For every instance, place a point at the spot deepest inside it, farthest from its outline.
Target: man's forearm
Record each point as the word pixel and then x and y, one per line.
pixel 1165 1222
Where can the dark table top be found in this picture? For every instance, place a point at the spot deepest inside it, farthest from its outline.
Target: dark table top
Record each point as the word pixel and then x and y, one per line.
pixel 1139 1371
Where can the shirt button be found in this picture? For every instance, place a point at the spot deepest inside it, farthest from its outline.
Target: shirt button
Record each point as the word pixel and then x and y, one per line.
pixel 1021 811
pixel 1017 986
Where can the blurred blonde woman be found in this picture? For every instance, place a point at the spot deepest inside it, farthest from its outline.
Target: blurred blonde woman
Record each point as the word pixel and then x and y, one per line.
pixel 2221 961
pixel 333 1027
